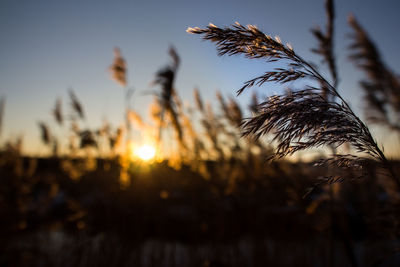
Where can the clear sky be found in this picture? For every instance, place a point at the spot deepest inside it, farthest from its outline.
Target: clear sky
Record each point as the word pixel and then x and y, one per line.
pixel 49 46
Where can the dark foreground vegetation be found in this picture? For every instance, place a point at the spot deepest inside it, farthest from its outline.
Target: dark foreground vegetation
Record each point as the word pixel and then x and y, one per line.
pixel 177 218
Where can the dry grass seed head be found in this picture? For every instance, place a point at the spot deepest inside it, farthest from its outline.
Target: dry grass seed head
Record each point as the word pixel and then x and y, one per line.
pixel 382 86
pixel 87 139
pixel 136 120
pixel 325 41
pixel 45 133
pixel 253 106
pixel 57 113
pixel 76 105
pixel 165 78
pixel 299 120
pixel 2 108
pixel 118 68
pixel 198 100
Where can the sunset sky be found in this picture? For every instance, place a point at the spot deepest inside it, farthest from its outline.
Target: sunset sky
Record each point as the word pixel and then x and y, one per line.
pixel 48 47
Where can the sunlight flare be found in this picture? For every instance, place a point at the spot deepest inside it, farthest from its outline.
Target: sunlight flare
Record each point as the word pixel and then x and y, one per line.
pixel 145 152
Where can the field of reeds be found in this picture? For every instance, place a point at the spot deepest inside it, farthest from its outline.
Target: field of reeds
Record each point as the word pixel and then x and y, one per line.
pixel 210 183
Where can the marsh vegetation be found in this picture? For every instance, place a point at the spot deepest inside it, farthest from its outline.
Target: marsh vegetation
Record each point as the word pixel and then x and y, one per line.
pixel 209 183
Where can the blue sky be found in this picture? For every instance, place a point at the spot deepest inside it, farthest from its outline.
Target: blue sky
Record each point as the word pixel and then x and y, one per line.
pixel 50 46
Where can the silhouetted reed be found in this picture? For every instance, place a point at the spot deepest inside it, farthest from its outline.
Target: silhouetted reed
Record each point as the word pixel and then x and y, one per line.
pixel 326 43
pixel 57 113
pixel 300 119
pixel 231 110
pixel 165 78
pixel 210 124
pixel 76 105
pixel 381 86
pixel 45 133
pixel 2 107
pixel 87 139
pixel 118 68
pixel 254 104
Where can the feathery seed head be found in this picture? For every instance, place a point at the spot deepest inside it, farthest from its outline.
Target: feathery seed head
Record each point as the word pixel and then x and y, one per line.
pixel 118 68
pixel 45 133
pixel 57 112
pixel 193 29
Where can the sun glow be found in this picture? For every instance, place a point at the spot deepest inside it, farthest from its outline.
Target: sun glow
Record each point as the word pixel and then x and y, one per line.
pixel 145 152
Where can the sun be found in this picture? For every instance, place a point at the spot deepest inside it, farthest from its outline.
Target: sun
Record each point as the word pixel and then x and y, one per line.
pixel 145 152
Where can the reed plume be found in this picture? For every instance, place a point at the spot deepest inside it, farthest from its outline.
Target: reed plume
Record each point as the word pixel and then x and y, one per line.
pixel 381 86
pixel 136 120
pixel 198 100
pixel 253 106
pixel 57 112
pixel 118 68
pixel 300 119
pixel 87 139
pixel 116 140
pixel 45 133
pixel 210 124
pixel 231 110
pixel 165 78
pixel 119 74
pixel 76 105
pixel 326 43
pixel 2 108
